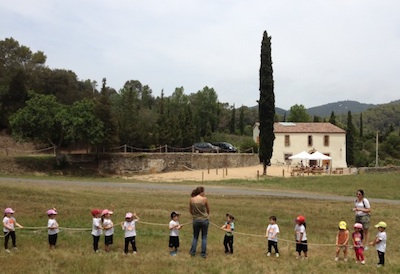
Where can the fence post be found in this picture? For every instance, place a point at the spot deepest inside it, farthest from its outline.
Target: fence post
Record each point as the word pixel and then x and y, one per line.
pixel 166 148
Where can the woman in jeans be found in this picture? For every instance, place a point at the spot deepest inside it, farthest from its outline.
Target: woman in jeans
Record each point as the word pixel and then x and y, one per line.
pixel 362 209
pixel 200 211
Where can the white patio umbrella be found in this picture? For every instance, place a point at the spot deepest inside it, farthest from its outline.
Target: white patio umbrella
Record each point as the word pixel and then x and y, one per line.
pixel 302 155
pixel 319 156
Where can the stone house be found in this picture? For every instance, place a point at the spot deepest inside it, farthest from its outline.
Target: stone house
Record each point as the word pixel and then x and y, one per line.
pixel 293 138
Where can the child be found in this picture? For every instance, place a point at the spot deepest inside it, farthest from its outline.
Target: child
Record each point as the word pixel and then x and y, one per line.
pixel 9 223
pixel 228 227
pixel 357 237
pixel 301 236
pixel 380 243
pixel 52 226
pixel 97 229
pixel 272 234
pixel 130 231
pixel 174 228
pixel 342 239
pixel 108 227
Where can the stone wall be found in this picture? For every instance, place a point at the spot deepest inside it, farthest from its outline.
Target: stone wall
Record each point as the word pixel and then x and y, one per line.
pixel 386 169
pixel 163 162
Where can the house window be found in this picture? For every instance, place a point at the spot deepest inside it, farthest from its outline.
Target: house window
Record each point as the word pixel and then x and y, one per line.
pixel 287 140
pixel 326 140
pixel 286 156
pixel 309 141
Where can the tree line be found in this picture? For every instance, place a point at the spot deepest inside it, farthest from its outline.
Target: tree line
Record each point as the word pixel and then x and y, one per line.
pixel 53 106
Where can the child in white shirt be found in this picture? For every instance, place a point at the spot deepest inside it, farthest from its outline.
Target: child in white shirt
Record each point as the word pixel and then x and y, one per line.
pixel 174 228
pixel 272 234
pixel 52 226
pixel 380 243
pixel 130 231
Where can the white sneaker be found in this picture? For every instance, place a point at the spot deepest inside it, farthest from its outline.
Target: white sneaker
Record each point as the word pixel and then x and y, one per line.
pixel 345 259
pixel 268 254
pixel 362 262
pixel 134 252
pixel 336 259
pixel 277 254
pixel 8 251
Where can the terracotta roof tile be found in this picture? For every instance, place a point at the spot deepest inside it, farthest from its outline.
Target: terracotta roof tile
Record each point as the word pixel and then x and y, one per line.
pixel 307 128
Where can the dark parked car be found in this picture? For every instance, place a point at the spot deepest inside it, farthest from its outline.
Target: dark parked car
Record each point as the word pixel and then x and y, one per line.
pixel 205 147
pixel 225 147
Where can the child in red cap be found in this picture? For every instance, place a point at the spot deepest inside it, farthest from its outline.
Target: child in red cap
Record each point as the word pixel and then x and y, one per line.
pixel 301 236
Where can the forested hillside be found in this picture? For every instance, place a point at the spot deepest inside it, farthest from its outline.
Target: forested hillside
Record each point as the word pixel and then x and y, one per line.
pixel 53 106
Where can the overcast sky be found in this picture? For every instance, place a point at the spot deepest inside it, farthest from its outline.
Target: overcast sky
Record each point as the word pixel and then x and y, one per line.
pixel 323 51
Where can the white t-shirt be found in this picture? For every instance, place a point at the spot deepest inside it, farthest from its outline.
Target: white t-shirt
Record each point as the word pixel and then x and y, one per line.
pixel 130 228
pixel 381 246
pixel 107 223
pixel 300 229
pixel 273 229
pixel 52 223
pixel 10 222
pixel 363 204
pixel 96 231
pixel 174 231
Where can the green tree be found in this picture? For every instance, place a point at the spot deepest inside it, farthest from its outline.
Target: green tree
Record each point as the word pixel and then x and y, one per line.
pixel 82 125
pixel 232 124
pixel 298 113
pixel 17 62
pixel 43 119
pixel 266 104
pixel 350 140
pixel 391 146
pixel 104 113
pixel 241 120
pixel 332 119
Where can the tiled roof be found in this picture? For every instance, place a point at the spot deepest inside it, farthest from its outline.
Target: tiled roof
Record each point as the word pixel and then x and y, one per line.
pixel 307 128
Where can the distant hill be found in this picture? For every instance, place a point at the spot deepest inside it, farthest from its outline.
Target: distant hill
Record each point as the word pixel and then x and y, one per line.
pixel 341 107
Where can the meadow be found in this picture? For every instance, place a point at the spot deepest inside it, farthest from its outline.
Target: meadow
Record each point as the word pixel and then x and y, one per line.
pixel 74 252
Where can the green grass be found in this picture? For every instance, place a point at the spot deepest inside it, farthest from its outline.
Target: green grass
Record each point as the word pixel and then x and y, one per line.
pixel 74 252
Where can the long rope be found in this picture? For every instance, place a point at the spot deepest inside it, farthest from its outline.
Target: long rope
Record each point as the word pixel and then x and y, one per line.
pixel 166 225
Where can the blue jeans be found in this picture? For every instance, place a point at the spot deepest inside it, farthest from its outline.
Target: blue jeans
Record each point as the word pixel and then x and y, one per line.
pixel 199 225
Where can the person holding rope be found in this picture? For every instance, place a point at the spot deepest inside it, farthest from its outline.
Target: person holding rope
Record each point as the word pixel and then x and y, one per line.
pixel 108 227
pixel 362 210
pixel 97 229
pixel 129 226
pixel 52 226
pixel 228 227
pixel 200 211
pixel 9 223
pixel 301 236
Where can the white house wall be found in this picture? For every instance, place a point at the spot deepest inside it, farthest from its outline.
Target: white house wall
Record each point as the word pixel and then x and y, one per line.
pixel 299 142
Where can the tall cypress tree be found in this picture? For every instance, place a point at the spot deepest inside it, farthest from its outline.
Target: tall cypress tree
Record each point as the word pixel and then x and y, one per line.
pixel 350 140
pixel 232 124
pixel 266 104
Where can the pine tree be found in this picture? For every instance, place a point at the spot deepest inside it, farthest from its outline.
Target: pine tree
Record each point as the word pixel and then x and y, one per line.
pixel 266 104
pixel 332 119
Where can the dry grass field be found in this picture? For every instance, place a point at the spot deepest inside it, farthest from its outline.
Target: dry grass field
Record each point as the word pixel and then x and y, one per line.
pixel 74 252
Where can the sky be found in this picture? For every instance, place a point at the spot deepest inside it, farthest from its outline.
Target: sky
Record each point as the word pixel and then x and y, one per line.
pixel 323 51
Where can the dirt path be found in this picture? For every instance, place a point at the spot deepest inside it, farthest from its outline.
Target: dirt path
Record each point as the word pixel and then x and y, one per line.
pixel 186 189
